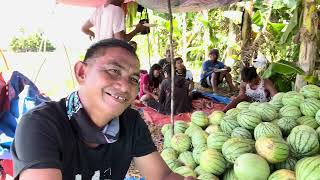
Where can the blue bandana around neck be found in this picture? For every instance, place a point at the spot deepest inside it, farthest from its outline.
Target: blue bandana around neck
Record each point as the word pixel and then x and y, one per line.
pixel 88 131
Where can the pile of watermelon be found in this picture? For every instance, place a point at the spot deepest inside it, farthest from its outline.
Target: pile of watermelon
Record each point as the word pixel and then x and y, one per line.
pixel 277 140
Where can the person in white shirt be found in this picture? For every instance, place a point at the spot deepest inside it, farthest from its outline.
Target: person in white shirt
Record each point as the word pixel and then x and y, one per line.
pixel 109 22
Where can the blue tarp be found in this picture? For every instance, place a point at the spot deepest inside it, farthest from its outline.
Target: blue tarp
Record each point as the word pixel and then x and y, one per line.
pixel 213 96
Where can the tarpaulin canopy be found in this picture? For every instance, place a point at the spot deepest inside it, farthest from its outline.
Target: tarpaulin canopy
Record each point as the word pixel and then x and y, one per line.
pixel 160 5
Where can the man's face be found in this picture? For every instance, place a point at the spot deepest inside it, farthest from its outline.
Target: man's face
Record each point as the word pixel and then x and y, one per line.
pixel 179 65
pixel 213 57
pixel 110 82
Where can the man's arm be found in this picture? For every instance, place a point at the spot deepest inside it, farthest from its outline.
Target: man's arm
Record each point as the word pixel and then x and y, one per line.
pixel 270 87
pixel 41 174
pixel 153 167
pixel 86 29
pixel 127 37
pixel 241 97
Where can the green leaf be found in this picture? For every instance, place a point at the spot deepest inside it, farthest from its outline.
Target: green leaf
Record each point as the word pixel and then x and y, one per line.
pixel 311 79
pixel 257 18
pixel 282 67
pixel 276 27
pixel 278 4
pixel 268 73
pixel 289 28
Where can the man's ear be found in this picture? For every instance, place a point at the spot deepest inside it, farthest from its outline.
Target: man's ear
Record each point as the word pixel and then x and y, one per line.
pixel 80 71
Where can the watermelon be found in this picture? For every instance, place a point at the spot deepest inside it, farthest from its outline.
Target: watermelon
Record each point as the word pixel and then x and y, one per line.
pixel 241 132
pixel 286 124
pixel 289 163
pixel 181 142
pixel 228 123
pixel 282 174
pixel 167 139
pixel 267 129
pixel 213 162
pixel 191 129
pixel 292 98
pixel 199 170
pixel 276 104
pixel 308 121
pixel 216 140
pixel 233 112
pixel 213 129
pixel 187 159
pixel 290 111
pixel 196 153
pixel 278 96
pixel 267 112
pixel 308 168
pixel 174 164
pixel 243 105
pixel 207 176
pixel 199 138
pixel 235 147
pixel 200 118
pixel 310 106
pixel 254 106
pixel 215 117
pixel 165 128
pixel 318 132
pixel 180 127
pixel 248 119
pixel 274 150
pixel 310 91
pixel 251 167
pixel 303 141
pixel 168 154
pixel 229 175
pixel 185 171
pixel 317 117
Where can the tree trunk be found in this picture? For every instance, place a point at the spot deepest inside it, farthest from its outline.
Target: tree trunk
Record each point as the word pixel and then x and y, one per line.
pixel 206 35
pixel 308 48
pixel 184 37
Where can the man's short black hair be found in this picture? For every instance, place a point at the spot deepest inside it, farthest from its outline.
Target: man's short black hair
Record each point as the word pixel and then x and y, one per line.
pixel 248 74
pixel 98 49
pixel 214 52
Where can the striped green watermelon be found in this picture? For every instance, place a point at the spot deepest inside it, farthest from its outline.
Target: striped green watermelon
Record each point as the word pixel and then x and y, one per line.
pixel 167 139
pixel 213 162
pixel 241 132
pixel 180 126
pixel 180 142
pixel 229 175
pixel 215 117
pixel 251 167
pixel 289 163
pixel 168 154
pixel 213 129
pixel 216 140
pixel 282 174
pixel 199 138
pixel 276 104
pixel 254 106
pixel 228 123
pixel 243 105
pixel 317 117
pixel 165 128
pixel 235 147
pixel 275 122
pixel 187 159
pixel 185 171
pixel 286 124
pixel 310 106
pixel 267 129
pixel 233 112
pixel 207 176
pixel 199 171
pixel 292 98
pixel 191 129
pixel 278 96
pixel 174 164
pixel 196 153
pixel 310 91
pixel 248 119
pixel 290 111
pixel 308 121
pixel 200 118
pixel 318 132
pixel 308 168
pixel 303 142
pixel 274 150
pixel 267 112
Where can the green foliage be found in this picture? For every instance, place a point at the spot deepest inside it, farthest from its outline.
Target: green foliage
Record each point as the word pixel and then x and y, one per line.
pixel 30 43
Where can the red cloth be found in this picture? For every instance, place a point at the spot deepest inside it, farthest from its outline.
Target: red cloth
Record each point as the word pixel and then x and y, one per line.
pixel 7 166
pixel 202 104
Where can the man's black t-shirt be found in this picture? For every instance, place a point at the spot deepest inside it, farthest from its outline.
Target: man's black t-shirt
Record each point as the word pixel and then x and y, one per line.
pixel 46 138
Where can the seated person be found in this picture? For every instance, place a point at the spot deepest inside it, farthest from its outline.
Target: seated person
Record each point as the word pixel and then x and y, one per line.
pixel 183 72
pixel 252 88
pixel 163 62
pixel 211 76
pixel 149 84
pixel 182 101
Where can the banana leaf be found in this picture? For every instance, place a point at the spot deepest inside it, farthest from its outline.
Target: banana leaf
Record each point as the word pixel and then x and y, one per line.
pixel 282 67
pixel 290 27
pixel 311 79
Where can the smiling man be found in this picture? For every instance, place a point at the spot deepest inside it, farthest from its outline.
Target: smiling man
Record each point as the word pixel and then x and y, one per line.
pixel 92 134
